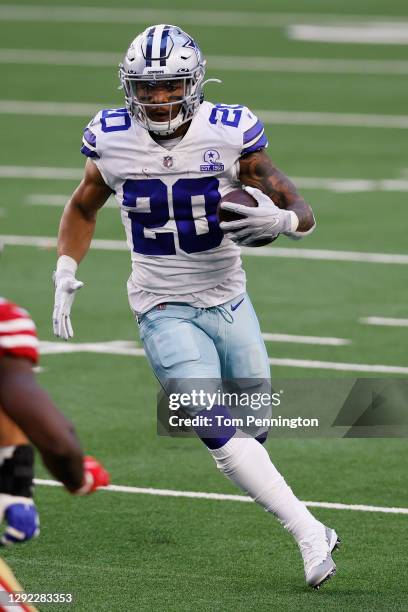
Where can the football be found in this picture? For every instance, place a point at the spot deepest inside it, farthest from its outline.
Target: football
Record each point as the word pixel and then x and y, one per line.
pixel 240 196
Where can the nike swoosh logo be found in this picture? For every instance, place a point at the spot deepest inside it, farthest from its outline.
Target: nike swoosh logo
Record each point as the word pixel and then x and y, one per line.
pixel 235 306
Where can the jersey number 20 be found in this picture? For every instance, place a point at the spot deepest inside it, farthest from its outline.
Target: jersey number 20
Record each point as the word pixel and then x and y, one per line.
pixel 183 192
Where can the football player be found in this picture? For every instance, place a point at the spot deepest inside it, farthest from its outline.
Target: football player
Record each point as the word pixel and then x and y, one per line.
pixel 169 157
pixel 27 414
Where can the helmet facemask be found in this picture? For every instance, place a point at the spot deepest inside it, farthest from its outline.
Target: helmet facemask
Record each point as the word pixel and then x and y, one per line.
pixel 162 54
pixel 188 99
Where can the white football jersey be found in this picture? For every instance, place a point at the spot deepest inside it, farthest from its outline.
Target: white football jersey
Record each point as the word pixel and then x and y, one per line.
pixel 168 200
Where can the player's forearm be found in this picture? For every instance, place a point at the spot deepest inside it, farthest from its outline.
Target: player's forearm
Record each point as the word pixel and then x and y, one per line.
pixel 257 170
pixel 68 469
pixel 54 436
pixel 75 232
pixel 60 450
pixel 303 212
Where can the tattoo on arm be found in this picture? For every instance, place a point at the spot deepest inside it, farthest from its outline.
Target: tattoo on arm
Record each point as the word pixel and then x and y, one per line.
pixel 257 170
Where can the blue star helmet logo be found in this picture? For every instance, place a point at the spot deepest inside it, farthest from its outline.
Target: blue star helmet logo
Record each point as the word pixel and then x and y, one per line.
pixel 211 156
pixel 190 44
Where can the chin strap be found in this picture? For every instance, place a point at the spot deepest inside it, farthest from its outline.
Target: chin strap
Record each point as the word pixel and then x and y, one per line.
pixel 165 128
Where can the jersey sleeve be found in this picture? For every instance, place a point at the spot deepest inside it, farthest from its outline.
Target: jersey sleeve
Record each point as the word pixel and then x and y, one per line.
pixel 93 143
pixel 101 136
pixel 18 334
pixel 253 136
pixel 89 138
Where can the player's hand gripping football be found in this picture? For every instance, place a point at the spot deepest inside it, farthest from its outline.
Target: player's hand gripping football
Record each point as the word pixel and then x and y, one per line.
pixel 66 286
pixel 265 221
pixel 95 476
pixel 21 518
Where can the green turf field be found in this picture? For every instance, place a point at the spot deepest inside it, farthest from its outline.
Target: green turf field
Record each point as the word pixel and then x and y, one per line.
pixel 121 551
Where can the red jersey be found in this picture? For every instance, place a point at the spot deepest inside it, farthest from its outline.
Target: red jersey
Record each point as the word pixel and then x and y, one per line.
pixel 18 335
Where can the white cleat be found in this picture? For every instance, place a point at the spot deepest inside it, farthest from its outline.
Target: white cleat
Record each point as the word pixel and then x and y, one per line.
pixel 316 551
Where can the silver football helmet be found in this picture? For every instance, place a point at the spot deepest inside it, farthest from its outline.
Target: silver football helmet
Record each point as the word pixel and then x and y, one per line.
pixel 163 52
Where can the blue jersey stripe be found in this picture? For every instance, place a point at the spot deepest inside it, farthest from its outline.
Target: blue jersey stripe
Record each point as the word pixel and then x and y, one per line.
pixel 90 137
pixel 88 152
pixel 259 144
pixel 149 47
pixel 163 45
pixel 253 132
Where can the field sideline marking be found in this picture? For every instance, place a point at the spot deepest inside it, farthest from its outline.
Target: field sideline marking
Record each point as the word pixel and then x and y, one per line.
pixel 337 185
pixel 79 109
pixel 321 340
pixel 127 348
pixel 59 200
pixel 227 497
pixel 56 57
pixel 213 18
pixel 387 321
pixel 48 242
pixel 392 33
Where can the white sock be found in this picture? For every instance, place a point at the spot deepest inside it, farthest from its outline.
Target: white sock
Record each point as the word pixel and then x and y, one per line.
pixel 247 463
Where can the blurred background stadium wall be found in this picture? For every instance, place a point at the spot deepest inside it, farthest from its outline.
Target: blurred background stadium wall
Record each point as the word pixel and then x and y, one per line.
pixel 329 81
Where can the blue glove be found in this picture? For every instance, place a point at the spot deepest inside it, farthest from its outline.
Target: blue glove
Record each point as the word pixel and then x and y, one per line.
pixel 22 519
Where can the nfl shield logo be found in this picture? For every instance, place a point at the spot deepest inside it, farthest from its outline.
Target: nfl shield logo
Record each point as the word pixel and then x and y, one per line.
pixel 167 161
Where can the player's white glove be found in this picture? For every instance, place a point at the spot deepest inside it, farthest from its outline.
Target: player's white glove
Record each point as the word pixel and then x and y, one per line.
pixel 66 285
pixel 265 221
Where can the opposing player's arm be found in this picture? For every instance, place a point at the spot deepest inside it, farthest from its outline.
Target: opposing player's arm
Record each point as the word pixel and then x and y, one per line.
pixel 257 170
pixel 31 408
pixel 78 221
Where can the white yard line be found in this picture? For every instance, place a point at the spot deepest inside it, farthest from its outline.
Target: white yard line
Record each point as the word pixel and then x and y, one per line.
pixel 56 57
pixel 275 117
pixel 386 321
pixel 55 109
pixel 127 348
pixel 326 255
pixel 319 340
pixel 59 200
pixel 310 364
pixel 47 199
pixel 391 33
pixel 333 119
pixel 146 15
pixel 335 185
pixel 227 497
pixel 280 252
pixel 41 172
pixel 114 347
pixel 51 242
pixel 345 185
